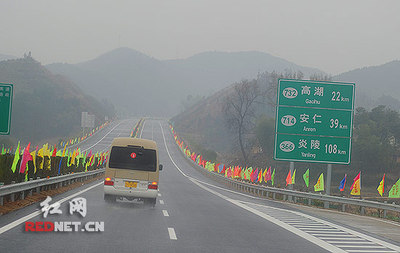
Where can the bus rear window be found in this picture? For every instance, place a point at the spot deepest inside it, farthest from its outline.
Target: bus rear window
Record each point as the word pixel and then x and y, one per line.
pixel 133 158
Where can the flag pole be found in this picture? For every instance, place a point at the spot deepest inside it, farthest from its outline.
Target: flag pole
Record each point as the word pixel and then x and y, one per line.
pixel 291 186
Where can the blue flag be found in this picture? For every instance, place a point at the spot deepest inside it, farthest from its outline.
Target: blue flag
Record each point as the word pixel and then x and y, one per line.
pixel 220 168
pixel 343 183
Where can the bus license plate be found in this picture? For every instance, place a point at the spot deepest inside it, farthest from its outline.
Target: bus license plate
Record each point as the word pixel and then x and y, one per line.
pixel 131 184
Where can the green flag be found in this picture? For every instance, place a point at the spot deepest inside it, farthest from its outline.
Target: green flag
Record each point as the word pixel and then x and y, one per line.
pixel 395 191
pixel 3 151
pixel 248 173
pixel 16 159
pixel 319 186
pixel 26 173
pixel 273 177
pixel 306 177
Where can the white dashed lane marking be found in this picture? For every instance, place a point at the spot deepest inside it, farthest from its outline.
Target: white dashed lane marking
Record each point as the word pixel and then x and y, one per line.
pixel 161 202
pixel 165 213
pixel 172 235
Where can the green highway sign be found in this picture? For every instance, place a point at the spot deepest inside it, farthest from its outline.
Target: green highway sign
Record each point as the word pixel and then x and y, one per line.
pixel 333 95
pixel 314 121
pixel 307 148
pixel 6 96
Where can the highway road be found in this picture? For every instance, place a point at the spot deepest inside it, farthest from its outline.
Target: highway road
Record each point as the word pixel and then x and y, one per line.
pixel 192 214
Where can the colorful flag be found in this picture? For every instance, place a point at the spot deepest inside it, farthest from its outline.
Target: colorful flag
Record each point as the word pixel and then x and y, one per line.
pixel 294 176
pixel 265 175
pixel 273 178
pixel 381 187
pixel 260 176
pixel 269 175
pixel 221 168
pixel 356 187
pixel 254 175
pixel 395 191
pixel 33 154
pixel 248 173
pixel 306 177
pixel 288 179
pixel 25 158
pixel 54 152
pixel 319 186
pixel 16 159
pixel 343 183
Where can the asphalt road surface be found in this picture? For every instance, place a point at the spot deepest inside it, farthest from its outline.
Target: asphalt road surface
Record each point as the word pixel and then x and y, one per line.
pixel 192 214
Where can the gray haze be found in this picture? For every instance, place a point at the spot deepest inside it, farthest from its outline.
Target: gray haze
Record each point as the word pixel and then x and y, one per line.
pixel 334 36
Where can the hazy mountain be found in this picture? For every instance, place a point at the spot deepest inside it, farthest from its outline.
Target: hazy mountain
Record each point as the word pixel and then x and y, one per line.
pixel 375 85
pixel 45 105
pixel 4 57
pixel 144 85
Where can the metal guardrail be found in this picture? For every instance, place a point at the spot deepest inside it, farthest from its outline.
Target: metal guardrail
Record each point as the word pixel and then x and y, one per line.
pixel 292 195
pixel 20 188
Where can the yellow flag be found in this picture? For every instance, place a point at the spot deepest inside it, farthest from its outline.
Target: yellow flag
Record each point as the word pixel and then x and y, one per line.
pixel 294 176
pixel 33 154
pixel 319 186
pixel 381 187
pixel 73 158
pixel 356 188
pixel 63 153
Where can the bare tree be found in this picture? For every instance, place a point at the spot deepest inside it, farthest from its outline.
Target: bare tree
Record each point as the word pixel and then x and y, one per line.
pixel 239 110
pixel 320 77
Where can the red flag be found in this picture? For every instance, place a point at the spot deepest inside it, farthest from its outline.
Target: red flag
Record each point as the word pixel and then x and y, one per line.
pixel 268 175
pixel 216 167
pixel 355 180
pixel 223 170
pixel 288 178
pixel 54 152
pixel 25 158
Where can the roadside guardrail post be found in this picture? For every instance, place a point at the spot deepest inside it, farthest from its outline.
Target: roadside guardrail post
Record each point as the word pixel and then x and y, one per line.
pixel 384 211
pixel 362 211
pixel 1 201
pixel 344 208
pixel 274 195
pixel 22 195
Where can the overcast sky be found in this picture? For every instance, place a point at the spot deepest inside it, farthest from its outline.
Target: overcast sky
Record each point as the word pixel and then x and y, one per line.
pixel 334 36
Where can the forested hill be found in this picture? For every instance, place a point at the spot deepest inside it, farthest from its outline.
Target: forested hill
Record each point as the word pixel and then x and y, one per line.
pixel 45 105
pixel 145 85
pixel 377 85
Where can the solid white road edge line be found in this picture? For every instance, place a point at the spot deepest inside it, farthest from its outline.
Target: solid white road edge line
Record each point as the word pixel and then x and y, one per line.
pixel 141 132
pixel 381 242
pixel 103 137
pixel 300 233
pixel 36 213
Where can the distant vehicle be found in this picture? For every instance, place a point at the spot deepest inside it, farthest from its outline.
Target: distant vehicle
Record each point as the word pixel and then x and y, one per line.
pixel 132 170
